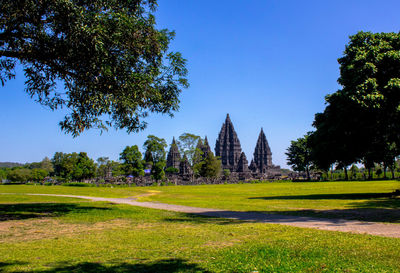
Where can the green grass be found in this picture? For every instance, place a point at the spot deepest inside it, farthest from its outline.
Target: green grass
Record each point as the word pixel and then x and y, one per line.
pixel 67 235
pixel 368 200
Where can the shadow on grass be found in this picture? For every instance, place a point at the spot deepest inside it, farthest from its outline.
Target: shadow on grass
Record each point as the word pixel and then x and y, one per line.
pixel 368 214
pixel 344 196
pixel 374 207
pixel 333 216
pixel 203 219
pixel 337 216
pixel 37 210
pixel 167 266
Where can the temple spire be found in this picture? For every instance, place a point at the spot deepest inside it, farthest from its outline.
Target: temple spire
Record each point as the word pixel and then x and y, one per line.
pixel 262 154
pixel 228 146
pixel 173 157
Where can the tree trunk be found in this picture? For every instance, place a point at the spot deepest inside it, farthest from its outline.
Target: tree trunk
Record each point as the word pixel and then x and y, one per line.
pixel 369 174
pixel 346 177
pixel 392 170
pixel 384 171
pixel 308 173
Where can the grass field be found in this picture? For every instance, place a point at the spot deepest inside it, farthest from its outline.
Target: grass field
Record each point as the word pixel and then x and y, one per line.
pixel 369 200
pixel 54 234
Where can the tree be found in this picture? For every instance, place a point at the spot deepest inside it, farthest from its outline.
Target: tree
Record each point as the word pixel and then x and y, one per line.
pixel 198 157
pixel 114 64
pixel 73 166
pixel 46 164
pixel 211 166
pixel 370 76
pixel 85 167
pixel 157 172
pixel 353 171
pixel 19 175
pixel 187 145
pixel 156 147
pixel 38 175
pixel 361 122
pixel 3 174
pixel 131 159
pixel 299 155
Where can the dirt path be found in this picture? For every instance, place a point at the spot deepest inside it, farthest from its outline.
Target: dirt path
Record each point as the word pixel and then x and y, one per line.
pixel 379 229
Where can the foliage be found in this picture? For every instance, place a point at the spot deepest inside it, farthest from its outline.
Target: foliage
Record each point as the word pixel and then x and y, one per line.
pixel 187 145
pixel 73 166
pixel 299 155
pixel 19 175
pixel 211 166
pixel 3 174
pixel 156 147
pixel 38 175
pixel 115 65
pixel 46 164
pixel 172 170
pixel 198 158
pixel 131 159
pixel 227 173
pixel 361 121
pixel 157 171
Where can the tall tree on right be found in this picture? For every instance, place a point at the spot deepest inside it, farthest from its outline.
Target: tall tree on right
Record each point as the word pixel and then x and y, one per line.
pixel 361 122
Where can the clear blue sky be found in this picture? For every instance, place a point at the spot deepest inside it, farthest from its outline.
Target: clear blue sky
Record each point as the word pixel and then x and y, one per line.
pixel 267 63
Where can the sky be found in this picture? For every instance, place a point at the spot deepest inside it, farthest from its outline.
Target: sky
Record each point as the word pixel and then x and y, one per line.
pixel 267 63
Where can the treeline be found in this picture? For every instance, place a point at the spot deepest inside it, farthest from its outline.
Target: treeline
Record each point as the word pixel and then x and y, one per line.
pixel 361 121
pixel 66 167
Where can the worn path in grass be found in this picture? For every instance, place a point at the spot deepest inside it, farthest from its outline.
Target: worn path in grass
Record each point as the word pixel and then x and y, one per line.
pixel 386 230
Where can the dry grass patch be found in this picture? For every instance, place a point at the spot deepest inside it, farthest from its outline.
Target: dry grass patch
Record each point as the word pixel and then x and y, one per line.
pixel 38 229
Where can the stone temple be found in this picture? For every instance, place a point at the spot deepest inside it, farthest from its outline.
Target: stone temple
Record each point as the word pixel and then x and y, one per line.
pixel 228 148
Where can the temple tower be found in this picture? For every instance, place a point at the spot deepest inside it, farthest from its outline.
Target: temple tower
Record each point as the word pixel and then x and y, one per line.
pixel 262 155
pixel 184 167
pixel 243 164
pixel 173 157
pixel 205 148
pixel 228 146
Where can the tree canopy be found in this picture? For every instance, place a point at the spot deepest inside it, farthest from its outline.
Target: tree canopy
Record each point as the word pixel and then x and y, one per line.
pixel 299 155
pixel 156 147
pixel 187 145
pixel 131 159
pixel 113 65
pixel 361 120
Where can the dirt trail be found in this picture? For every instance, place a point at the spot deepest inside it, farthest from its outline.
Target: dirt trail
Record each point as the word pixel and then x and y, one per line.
pixel 372 228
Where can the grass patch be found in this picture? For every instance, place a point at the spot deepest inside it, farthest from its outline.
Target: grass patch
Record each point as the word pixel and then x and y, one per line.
pixel 101 237
pixel 365 200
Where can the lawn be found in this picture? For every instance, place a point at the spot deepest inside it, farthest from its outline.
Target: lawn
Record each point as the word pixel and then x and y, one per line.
pixel 54 234
pixel 367 200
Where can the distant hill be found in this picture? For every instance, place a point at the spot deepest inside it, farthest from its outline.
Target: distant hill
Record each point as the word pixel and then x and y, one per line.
pixel 10 164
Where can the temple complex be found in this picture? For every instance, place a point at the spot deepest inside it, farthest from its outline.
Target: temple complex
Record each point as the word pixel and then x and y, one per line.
pixel 228 149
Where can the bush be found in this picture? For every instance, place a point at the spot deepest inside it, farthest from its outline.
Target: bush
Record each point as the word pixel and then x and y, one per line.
pixel 77 184
pixel 171 170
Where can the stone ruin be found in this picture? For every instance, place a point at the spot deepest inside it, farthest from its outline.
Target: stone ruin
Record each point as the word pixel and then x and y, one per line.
pixel 228 149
